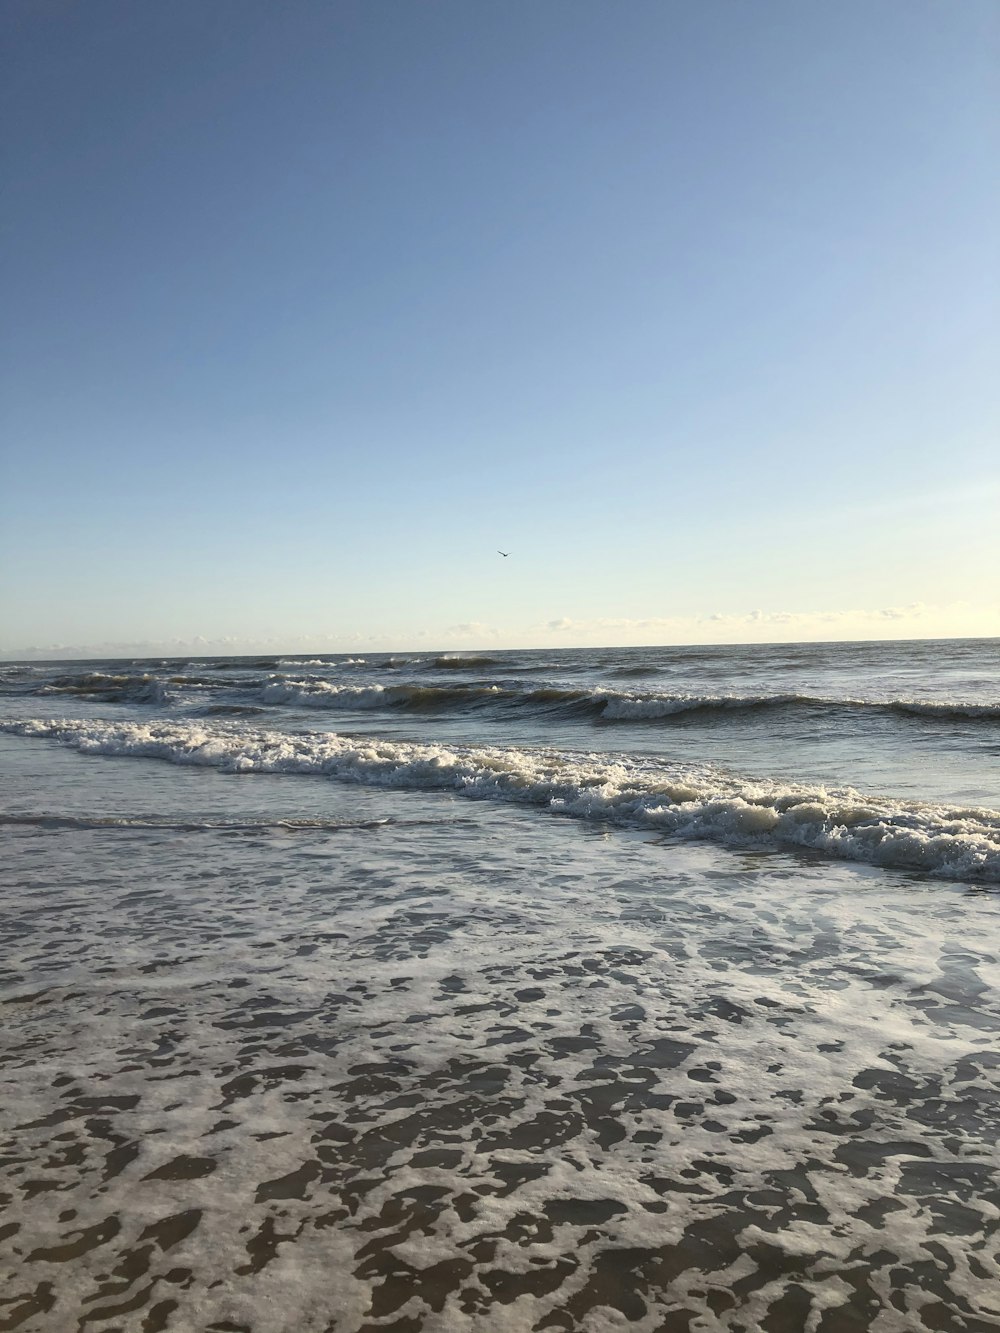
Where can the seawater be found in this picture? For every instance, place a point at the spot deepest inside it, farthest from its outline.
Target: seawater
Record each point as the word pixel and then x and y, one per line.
pixel 650 988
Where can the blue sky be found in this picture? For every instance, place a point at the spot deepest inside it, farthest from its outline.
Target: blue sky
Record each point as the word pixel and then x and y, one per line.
pixel 693 307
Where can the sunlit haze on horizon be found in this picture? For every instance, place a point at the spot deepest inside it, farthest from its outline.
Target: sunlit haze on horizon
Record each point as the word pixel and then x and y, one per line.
pixel 313 310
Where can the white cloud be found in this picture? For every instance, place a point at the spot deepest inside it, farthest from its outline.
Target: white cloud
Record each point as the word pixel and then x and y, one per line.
pixel 472 629
pixel 912 620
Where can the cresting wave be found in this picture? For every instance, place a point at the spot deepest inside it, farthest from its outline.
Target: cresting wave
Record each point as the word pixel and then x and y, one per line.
pixel 110 688
pixel 608 705
pixel 322 694
pixel 684 801
pixel 310 690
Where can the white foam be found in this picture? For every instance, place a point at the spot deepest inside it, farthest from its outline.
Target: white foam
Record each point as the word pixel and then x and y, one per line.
pixel 322 694
pixel 314 693
pixel 775 1145
pixel 683 800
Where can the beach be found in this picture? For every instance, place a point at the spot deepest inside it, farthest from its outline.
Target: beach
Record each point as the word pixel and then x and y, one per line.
pixel 651 989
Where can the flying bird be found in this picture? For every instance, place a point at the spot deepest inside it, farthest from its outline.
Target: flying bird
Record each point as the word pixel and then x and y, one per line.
pixel 505 554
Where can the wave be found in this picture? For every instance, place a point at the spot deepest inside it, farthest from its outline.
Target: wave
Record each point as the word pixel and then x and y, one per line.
pixel 323 694
pixel 243 664
pixel 334 662
pixel 626 707
pixel 608 704
pixel 944 708
pixel 316 693
pixel 604 705
pixel 128 822
pixel 160 663
pixel 109 688
pixel 456 662
pixel 681 800
pixel 634 671
pixel 233 710
pixel 201 682
pixel 321 662
pixel 634 708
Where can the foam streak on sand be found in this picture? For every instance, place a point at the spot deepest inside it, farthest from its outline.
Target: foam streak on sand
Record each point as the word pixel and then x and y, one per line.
pixel 681 800
pixel 409 1080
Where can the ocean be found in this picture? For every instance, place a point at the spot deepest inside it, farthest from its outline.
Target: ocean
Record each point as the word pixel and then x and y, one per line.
pixel 604 989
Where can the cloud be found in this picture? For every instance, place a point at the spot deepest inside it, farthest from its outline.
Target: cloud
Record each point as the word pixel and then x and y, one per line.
pixel 565 624
pixel 473 629
pixel 912 611
pixel 959 618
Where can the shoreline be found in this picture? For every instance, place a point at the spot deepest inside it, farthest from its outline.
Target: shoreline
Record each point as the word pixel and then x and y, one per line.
pixel 419 1077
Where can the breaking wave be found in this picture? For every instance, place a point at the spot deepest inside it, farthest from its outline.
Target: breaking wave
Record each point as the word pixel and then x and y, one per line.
pixel 606 705
pixel 322 694
pixel 306 689
pixel 680 800
pixel 110 689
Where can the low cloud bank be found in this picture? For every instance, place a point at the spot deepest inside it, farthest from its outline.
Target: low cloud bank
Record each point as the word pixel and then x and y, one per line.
pixel 912 620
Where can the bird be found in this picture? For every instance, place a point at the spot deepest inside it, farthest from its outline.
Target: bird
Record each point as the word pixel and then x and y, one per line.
pixel 505 554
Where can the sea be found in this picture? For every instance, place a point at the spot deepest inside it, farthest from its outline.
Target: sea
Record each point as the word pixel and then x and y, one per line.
pixel 503 992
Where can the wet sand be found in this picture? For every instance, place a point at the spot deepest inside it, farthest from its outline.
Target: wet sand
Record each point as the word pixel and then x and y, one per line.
pixel 434 1075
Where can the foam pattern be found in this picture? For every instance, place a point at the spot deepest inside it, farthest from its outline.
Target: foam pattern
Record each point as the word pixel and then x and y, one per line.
pixel 688 801
pixel 478 1071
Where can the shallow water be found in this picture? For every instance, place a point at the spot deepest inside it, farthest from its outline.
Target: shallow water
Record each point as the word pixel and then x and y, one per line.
pixel 301 1050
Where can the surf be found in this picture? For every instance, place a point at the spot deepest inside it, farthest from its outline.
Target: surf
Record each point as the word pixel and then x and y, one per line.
pixel 683 801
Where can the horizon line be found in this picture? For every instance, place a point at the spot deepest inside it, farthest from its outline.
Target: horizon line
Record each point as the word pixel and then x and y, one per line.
pixel 456 652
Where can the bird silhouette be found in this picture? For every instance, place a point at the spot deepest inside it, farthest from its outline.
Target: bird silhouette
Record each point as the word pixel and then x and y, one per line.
pixel 505 554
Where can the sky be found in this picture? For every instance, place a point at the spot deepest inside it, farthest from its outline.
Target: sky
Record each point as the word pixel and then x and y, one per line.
pixel 691 307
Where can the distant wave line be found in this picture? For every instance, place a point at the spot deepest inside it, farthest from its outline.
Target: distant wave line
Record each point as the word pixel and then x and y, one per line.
pixel 606 705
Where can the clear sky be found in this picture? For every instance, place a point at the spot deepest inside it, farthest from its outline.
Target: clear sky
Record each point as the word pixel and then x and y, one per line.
pixel 690 305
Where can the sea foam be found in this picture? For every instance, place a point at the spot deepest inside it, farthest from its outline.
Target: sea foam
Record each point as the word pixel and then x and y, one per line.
pixel 681 800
